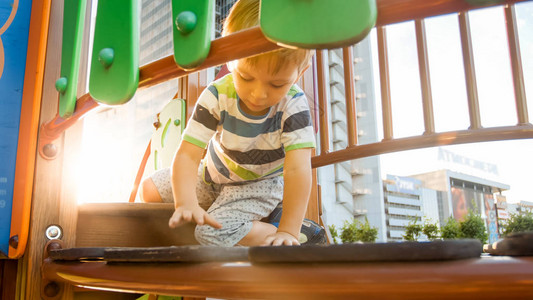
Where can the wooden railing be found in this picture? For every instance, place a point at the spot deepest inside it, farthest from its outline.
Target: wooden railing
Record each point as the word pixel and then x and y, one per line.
pixel 474 133
pixel 252 42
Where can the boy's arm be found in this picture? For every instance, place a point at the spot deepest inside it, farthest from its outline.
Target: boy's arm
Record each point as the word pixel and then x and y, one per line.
pixel 296 190
pixel 184 172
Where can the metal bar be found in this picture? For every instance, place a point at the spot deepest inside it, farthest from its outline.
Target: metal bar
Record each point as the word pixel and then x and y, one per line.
pixel 485 278
pixel 516 65
pixel 386 108
pixel 322 102
pixel 425 141
pixel 425 80
pixel 349 93
pixel 470 72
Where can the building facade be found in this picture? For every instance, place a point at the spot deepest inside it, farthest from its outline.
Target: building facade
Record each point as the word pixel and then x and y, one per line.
pixel 353 189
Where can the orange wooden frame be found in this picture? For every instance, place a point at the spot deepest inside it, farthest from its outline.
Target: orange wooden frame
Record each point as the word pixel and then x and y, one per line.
pixel 29 125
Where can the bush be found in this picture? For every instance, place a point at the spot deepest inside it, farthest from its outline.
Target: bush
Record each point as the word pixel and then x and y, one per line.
pixel 334 233
pixel 451 229
pixel 473 227
pixel 431 230
pixel 412 231
pixel 518 223
pixel 356 231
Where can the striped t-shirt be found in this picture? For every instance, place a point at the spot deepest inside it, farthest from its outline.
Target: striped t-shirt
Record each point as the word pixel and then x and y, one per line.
pixel 242 147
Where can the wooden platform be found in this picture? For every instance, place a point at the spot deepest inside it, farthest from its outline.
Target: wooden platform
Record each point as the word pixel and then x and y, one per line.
pixel 487 277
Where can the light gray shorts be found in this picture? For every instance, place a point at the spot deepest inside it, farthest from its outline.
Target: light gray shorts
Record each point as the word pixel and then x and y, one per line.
pixel 235 206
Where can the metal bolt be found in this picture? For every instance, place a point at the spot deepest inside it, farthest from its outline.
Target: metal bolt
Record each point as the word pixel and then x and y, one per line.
pixel 50 150
pixel 52 289
pixel 53 232
pixel 14 241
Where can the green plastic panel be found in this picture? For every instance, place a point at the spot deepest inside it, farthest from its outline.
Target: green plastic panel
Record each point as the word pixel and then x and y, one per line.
pixel 167 136
pixel 114 76
pixel 317 24
pixel 67 84
pixel 192 29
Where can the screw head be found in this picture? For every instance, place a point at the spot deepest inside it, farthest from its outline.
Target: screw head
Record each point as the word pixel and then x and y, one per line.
pixel 53 232
pixel 52 289
pixel 14 241
pixel 106 57
pixel 50 150
pixel 186 22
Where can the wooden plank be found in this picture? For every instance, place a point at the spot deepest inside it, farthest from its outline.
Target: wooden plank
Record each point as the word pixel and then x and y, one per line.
pixel 54 190
pixel 47 173
pixel 130 225
pixel 8 278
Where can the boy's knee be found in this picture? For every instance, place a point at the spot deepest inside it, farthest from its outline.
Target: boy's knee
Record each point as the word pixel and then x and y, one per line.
pixel 148 191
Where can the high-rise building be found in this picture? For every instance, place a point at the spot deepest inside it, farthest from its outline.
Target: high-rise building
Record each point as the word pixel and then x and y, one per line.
pixel 353 189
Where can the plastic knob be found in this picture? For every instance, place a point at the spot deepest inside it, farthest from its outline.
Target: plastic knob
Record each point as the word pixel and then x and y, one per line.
pixel 186 22
pixel 61 84
pixel 106 57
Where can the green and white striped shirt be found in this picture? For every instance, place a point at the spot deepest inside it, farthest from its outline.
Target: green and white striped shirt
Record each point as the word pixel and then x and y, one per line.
pixel 241 147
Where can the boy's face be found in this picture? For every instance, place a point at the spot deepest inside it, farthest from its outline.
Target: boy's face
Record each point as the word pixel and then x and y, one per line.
pixel 258 89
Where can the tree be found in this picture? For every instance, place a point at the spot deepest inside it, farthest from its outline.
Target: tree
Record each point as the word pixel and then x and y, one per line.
pixel 356 231
pixel 334 233
pixel 518 223
pixel 473 227
pixel 431 230
pixel 451 229
pixel 366 233
pixel 412 231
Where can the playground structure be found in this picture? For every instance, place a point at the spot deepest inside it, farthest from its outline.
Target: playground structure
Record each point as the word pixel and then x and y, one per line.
pixel 121 225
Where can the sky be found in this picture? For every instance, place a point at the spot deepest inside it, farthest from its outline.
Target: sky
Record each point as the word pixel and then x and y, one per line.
pixel 495 90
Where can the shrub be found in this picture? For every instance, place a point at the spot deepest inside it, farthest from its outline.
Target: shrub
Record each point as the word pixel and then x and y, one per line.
pixel 473 227
pixel 412 231
pixel 431 230
pixel 334 233
pixel 518 223
pixel 356 231
pixel 451 229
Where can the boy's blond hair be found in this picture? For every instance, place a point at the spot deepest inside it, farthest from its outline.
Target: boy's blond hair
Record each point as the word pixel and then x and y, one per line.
pixel 245 14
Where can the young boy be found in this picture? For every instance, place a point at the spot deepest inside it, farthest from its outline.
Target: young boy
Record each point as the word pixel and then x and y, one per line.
pixel 256 127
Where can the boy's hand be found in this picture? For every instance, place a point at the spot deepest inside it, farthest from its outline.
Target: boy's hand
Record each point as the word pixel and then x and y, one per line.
pixel 184 214
pixel 281 238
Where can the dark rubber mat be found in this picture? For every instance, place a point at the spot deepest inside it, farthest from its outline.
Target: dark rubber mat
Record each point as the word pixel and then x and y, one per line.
pixel 370 252
pixel 156 254
pixel 405 251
